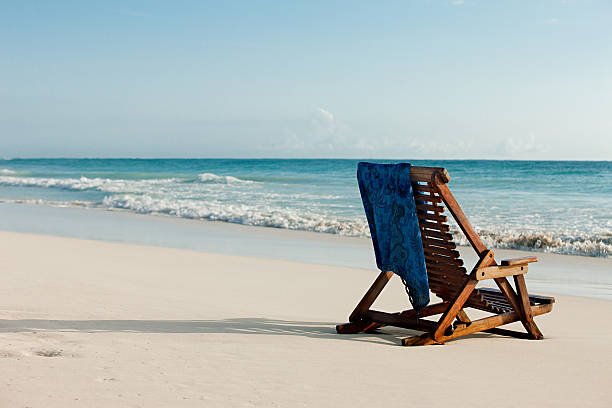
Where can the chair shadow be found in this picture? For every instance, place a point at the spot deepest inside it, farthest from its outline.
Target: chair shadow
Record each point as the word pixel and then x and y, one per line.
pixel 258 326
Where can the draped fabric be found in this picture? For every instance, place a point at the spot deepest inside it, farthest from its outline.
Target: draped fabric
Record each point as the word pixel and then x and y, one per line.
pixel 389 205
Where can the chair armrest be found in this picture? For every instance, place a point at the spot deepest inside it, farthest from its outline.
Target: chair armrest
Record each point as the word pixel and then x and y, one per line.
pixel 518 261
pixel 498 271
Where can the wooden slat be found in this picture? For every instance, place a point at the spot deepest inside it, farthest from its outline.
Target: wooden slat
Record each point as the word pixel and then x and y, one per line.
pixel 541 299
pixel 518 261
pixel 492 293
pixel 446 276
pixel 437 226
pixel 437 242
pixel 420 173
pixel 500 304
pixel 432 217
pixel 442 251
pixel 480 304
pixel 452 284
pixel 427 197
pixel 444 265
pixel 500 301
pixel 439 280
pixel 492 272
pixel 434 234
pixel 452 269
pixel 438 255
pixel 423 188
pixel 443 260
pixel 427 207
pixel 439 283
pixel 446 279
pixel 533 298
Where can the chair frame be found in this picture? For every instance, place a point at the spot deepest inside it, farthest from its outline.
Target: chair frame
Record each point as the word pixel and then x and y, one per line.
pixel 454 321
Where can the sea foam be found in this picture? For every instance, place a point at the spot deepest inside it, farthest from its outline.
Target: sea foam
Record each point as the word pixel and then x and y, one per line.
pixel 82 183
pixel 213 178
pixel 265 216
pixel 588 243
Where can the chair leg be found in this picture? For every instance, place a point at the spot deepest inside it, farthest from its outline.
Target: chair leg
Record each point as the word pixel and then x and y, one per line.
pixel 516 303
pixel 487 324
pixel 371 295
pixel 356 327
pixel 455 307
pixel 525 304
pixel 357 324
pixel 453 310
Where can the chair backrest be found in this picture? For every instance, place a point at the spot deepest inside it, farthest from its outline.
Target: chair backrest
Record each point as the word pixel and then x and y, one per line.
pixel 445 270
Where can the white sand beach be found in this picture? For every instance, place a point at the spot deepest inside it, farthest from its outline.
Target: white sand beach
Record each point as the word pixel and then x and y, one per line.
pixel 192 195
pixel 98 324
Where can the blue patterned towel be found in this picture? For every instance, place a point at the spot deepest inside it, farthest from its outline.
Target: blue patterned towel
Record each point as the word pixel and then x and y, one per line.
pixel 389 205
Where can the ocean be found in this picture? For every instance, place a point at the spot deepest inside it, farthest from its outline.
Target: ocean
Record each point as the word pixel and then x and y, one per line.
pixel 551 206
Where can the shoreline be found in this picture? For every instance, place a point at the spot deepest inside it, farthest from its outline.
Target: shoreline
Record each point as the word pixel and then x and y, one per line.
pixel 585 246
pixel 555 273
pixel 312 235
pixel 134 325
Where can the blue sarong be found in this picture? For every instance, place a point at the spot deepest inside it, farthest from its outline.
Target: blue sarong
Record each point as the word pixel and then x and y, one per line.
pixel 389 205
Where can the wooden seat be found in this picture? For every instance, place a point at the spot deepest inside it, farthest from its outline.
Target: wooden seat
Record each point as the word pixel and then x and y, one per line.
pixel 449 279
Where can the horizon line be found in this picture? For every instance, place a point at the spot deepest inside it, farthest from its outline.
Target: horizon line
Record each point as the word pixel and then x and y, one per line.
pixel 285 158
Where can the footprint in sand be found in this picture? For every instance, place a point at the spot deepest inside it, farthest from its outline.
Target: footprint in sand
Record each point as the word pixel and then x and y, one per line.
pixel 107 379
pixel 49 353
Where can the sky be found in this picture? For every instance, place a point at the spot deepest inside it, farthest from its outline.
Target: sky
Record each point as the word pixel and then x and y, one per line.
pixel 419 79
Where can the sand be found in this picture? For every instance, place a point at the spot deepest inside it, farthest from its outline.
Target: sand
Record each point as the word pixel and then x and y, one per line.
pixel 97 324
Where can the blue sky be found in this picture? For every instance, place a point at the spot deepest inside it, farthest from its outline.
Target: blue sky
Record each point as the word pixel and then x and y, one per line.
pixel 409 79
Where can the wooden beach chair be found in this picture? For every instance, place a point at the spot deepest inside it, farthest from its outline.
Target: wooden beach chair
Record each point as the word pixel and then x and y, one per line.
pixel 449 280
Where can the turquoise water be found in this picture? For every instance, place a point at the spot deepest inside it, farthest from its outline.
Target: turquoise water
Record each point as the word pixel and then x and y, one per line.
pixel 561 207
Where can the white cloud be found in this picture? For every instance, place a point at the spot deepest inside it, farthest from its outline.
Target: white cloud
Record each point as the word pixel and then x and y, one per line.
pixel 458 2
pixel 552 20
pixel 518 146
pixel 322 134
pixel 323 114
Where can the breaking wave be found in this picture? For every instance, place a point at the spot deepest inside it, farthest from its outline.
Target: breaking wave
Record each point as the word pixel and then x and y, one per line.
pixel 213 178
pixel 82 183
pixel 264 216
pixel 107 184
pixel 588 244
